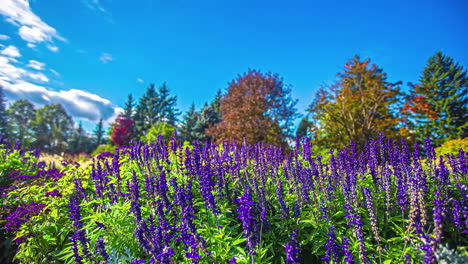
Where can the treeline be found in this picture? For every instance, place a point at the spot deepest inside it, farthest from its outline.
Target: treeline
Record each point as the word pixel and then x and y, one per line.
pixel 258 107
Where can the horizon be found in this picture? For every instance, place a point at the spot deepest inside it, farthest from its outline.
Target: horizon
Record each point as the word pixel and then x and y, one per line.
pixel 89 55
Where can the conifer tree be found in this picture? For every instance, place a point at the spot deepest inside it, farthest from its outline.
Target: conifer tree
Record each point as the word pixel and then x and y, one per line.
pixel 3 115
pixel 438 104
pixel 99 133
pixel 187 128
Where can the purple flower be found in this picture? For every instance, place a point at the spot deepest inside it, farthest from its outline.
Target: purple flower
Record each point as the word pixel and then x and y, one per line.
pixel 245 210
pixel 54 193
pixel 348 254
pixel 292 249
pixel 232 260
pixel 101 249
pixel 138 261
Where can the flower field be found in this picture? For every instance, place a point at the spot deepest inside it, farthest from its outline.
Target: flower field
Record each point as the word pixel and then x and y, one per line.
pixel 168 203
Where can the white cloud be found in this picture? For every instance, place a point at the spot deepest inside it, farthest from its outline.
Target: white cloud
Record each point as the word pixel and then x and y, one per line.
pixel 20 83
pixel 77 103
pixel 31 27
pixel 4 37
pixel 37 65
pixel 52 48
pixel 38 77
pixel 11 51
pixel 140 80
pixel 30 45
pixel 106 58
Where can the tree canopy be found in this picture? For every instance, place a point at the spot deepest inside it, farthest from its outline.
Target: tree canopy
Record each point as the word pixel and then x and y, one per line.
pixel 356 107
pixel 438 104
pixel 257 108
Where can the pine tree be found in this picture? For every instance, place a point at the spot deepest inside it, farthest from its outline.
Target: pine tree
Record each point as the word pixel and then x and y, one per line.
pixel 187 128
pixel 155 107
pixel 99 133
pixel 4 131
pixel 303 130
pixel 129 105
pixel 438 104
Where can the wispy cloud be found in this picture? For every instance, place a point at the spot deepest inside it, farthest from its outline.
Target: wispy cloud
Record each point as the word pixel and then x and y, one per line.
pixel 140 80
pixel 96 6
pixel 11 51
pixel 4 37
pixel 31 27
pixel 106 58
pixel 37 65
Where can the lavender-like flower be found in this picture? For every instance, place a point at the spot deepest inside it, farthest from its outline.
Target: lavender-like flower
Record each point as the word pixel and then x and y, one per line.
pixel 245 210
pixel 292 249
pixel 348 253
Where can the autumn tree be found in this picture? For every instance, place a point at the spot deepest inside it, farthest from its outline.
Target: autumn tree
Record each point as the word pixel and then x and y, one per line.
pixel 438 104
pixel 155 107
pixel 21 114
pixel 358 106
pixel 122 130
pixel 52 127
pixel 257 108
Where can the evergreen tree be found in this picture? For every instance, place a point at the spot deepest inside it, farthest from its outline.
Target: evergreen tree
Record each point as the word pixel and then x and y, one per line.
pixel 303 130
pixel 79 141
pixel 438 104
pixel 129 105
pixel 21 113
pixel 4 131
pixel 99 133
pixel 209 117
pixel 155 107
pixel 187 128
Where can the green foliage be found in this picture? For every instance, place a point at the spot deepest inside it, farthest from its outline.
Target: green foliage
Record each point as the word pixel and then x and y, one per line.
pixel 303 130
pixel 159 129
pixel 154 107
pixel 103 148
pixel 52 127
pixel 452 146
pixel 99 133
pixel 21 114
pixel 3 115
pixel 438 104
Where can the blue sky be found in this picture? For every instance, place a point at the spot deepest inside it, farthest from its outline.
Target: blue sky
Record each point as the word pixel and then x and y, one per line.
pixel 90 54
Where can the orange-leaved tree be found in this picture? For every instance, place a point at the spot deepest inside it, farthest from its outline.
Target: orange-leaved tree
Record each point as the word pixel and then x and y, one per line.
pixel 257 108
pixel 359 105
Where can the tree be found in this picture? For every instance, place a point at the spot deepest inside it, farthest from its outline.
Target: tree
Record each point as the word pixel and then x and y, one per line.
pixel 52 127
pixel 155 107
pixel 356 108
pixel 79 141
pixel 163 129
pixel 3 115
pixel 21 114
pixel 129 105
pixel 303 130
pixel 187 127
pixel 257 108
pixel 99 133
pixel 122 130
pixel 438 104
pixel 209 116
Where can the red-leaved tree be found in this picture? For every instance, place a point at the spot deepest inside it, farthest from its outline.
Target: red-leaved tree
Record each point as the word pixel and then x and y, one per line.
pixel 122 131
